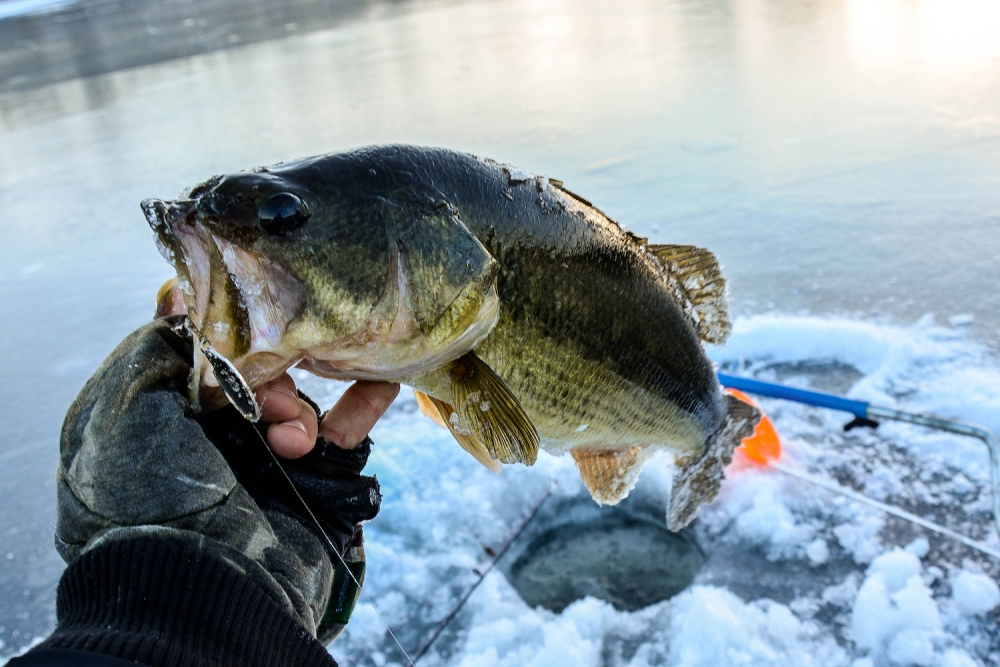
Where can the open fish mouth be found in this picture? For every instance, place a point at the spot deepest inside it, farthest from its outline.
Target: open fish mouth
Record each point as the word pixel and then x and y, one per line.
pixel 238 299
pixel 186 247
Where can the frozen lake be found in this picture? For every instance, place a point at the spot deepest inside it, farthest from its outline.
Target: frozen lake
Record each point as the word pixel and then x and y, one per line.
pixel 841 157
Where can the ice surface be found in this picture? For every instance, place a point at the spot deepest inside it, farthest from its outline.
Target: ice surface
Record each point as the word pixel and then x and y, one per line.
pixel 871 590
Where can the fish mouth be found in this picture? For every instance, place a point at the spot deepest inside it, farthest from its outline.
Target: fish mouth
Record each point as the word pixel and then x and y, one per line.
pixel 238 299
pixel 186 247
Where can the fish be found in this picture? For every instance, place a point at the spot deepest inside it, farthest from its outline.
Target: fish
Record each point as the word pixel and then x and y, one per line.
pixel 522 315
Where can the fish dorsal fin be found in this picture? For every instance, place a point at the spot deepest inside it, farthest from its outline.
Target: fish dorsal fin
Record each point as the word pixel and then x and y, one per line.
pixel 491 412
pixel 700 288
pixel 610 474
pixel 446 416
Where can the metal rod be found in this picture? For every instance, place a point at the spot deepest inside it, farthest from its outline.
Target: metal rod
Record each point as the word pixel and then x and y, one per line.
pixel 865 410
pixel 953 426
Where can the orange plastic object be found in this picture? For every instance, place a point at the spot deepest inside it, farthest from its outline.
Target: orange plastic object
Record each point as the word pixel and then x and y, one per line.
pixel 764 445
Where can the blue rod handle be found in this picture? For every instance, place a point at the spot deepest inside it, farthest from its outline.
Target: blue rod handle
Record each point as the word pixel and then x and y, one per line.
pixel 773 390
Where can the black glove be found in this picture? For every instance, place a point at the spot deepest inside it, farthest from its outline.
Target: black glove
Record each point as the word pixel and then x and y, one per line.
pixel 328 479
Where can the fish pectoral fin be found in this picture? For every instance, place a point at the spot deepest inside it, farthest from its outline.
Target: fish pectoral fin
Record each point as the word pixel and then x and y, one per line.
pixel 447 417
pixel 698 278
pixel 492 412
pixel 610 474
pixel 426 405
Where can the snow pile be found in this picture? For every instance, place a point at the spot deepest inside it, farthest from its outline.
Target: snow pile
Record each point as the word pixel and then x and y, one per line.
pixel 711 626
pixel 894 613
pixel 975 593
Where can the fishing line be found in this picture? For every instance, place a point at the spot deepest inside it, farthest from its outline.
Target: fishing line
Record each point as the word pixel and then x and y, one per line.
pixel 508 539
pixel 512 535
pixel 238 392
pixel 334 548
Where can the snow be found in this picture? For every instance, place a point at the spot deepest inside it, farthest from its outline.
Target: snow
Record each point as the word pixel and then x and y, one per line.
pixel 975 593
pixel 894 612
pixel 794 575
pixel 817 551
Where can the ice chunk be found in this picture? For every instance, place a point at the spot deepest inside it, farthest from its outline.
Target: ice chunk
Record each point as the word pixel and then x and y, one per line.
pixel 895 610
pixel 817 551
pixel 897 567
pixel 918 547
pixel 957 658
pixel 912 646
pixel 974 593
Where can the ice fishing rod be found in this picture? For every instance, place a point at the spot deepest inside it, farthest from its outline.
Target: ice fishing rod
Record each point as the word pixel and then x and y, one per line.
pixel 866 414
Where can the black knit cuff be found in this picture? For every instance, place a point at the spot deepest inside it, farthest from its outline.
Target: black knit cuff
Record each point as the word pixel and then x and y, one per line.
pixel 163 603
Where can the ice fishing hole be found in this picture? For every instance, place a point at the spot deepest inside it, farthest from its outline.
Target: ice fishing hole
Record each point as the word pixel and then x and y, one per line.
pixel 624 555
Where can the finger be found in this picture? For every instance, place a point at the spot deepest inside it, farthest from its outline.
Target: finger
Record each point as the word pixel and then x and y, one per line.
pixel 278 400
pixel 349 421
pixel 170 299
pixel 295 437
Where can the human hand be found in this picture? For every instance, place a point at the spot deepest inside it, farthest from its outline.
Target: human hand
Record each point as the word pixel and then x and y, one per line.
pixel 293 424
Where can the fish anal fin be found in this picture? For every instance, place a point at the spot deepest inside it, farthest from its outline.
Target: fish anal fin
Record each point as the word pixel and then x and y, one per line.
pixel 426 405
pixel 470 443
pixel 700 287
pixel 492 412
pixel 610 474
pixel 698 481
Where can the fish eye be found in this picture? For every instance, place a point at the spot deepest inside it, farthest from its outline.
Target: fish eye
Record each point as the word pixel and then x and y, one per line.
pixel 282 213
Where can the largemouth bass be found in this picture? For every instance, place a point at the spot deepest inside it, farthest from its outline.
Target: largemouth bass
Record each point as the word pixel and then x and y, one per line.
pixel 522 315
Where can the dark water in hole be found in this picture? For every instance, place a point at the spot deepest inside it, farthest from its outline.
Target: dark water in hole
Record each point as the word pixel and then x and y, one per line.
pixel 629 562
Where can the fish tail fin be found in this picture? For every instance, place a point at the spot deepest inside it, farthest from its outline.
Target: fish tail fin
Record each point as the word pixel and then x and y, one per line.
pixel 699 481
